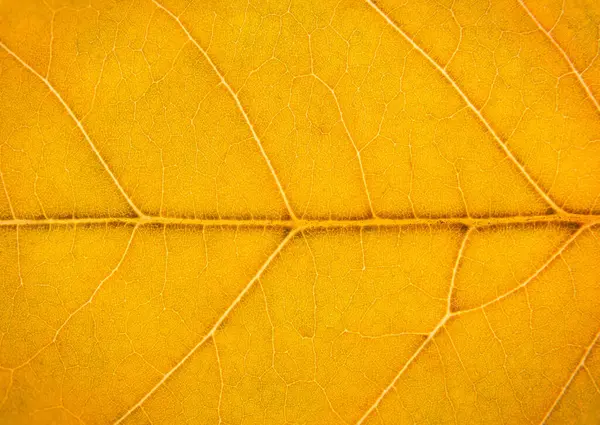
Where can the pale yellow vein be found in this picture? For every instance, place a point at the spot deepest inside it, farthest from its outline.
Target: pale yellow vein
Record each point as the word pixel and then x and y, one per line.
pixel 449 315
pixel 471 106
pixel 87 302
pixel 558 47
pixel 582 219
pixel 214 328
pixel 238 104
pixel 427 340
pixel 79 125
pixel 581 364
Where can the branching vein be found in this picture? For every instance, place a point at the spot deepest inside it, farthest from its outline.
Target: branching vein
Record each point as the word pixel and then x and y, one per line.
pixel 79 125
pixel 471 106
pixel 237 102
pixel 450 314
pixel 564 55
pixel 216 326
pixel 429 338
pixel 580 365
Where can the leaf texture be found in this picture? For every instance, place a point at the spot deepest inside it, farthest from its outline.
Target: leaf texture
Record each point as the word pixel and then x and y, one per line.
pixel 299 212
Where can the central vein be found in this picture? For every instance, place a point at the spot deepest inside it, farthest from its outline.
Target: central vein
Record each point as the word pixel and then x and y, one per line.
pixel 580 219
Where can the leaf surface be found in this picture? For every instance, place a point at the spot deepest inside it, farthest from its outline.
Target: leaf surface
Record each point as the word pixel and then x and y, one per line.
pixel 305 212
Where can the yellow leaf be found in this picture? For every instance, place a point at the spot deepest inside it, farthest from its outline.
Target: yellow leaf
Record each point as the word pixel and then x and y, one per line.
pixel 299 212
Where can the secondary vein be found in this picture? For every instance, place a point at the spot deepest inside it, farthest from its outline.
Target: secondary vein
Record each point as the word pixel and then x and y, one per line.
pixel 471 106
pixel 237 102
pixel 558 47
pixel 137 211
pixel 214 328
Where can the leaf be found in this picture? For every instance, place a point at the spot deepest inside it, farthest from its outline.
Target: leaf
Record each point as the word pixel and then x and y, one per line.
pixel 311 212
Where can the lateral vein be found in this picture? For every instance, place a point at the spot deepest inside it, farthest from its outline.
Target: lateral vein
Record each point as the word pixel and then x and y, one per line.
pixel 214 328
pixel 563 53
pixel 565 245
pixel 451 314
pixel 238 104
pixel 471 106
pixel 137 211
pixel 581 364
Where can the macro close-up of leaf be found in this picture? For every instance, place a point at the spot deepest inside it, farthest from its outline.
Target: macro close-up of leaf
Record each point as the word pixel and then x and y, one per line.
pixel 299 212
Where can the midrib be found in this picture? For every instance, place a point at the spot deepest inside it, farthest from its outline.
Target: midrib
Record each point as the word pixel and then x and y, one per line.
pixel 580 219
